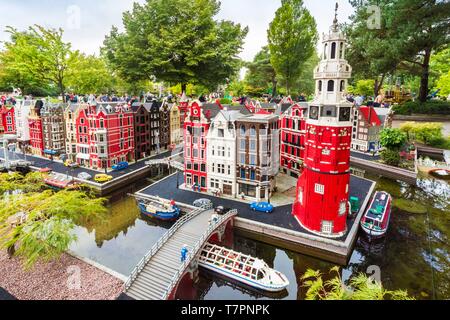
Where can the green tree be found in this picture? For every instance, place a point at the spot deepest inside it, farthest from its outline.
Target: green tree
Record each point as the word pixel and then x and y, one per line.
pixel 411 31
pixel 292 37
pixel 39 225
pixel 41 54
pixel 89 74
pixel 440 71
pixel 363 87
pixel 13 75
pixel 176 41
pixel 392 139
pixel 261 75
pixel 360 288
pixel 371 52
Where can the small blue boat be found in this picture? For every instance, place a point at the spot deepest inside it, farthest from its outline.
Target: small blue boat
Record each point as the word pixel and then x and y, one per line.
pixel 162 210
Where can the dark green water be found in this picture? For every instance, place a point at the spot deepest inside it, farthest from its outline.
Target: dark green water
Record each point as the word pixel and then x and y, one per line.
pixel 415 255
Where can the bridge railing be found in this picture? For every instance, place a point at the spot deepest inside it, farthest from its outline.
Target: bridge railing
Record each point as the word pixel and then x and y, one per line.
pixel 166 161
pixel 196 249
pixel 141 265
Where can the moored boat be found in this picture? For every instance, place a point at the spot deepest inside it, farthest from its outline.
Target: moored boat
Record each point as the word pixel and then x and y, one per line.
pixel 443 174
pixel 375 221
pixel 248 270
pixel 162 209
pixel 59 181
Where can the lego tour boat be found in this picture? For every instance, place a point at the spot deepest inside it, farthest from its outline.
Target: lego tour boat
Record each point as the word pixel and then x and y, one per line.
pixel 250 271
pixel 376 219
pixel 60 181
pixel 161 209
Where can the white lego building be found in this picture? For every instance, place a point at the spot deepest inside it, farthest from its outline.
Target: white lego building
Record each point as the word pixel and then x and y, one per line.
pixel 221 153
pixel 21 114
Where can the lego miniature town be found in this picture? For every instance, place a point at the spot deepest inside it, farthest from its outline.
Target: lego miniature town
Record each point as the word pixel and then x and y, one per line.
pixel 210 196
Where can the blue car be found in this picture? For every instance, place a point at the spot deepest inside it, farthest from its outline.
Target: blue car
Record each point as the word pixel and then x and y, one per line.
pixel 120 166
pixel 262 207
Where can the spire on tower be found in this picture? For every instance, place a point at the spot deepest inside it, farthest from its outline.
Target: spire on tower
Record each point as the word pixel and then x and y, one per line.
pixel 335 21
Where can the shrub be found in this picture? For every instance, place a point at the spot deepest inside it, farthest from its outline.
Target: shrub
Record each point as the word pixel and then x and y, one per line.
pixel 429 107
pixel 363 87
pixel 390 157
pixel 392 138
pixel 225 101
pixel 428 133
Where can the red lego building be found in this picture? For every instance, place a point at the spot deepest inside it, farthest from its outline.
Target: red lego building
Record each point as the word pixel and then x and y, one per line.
pixel 321 204
pixel 105 135
pixel 293 130
pixel 7 121
pixel 36 129
pixel 196 126
pixel 184 108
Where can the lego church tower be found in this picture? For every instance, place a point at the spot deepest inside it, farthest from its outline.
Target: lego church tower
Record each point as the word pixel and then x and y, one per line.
pixel 321 204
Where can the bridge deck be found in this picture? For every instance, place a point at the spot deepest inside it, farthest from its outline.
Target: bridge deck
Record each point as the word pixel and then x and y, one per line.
pixel 154 280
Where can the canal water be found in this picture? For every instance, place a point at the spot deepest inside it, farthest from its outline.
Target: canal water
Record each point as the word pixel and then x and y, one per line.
pixel 415 255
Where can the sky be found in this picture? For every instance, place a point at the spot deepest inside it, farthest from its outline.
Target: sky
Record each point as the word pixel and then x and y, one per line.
pixel 86 22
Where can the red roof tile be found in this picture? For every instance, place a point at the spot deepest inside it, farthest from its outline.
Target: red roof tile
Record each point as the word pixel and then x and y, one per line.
pixel 370 115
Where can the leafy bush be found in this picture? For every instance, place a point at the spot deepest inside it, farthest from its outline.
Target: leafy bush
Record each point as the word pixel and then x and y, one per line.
pixel 392 138
pixel 225 101
pixel 360 287
pixel 362 87
pixel 429 107
pixel 428 133
pixel 390 157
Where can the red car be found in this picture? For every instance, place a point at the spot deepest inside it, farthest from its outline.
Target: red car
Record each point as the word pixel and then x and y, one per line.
pixel 45 170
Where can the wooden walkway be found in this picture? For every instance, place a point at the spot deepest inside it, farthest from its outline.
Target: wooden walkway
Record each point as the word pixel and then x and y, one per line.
pixel 385 170
pixel 161 269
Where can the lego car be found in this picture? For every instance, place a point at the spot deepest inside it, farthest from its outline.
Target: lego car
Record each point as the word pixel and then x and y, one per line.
pixel 120 166
pixel 220 210
pixel 84 176
pixel 101 178
pixel 45 170
pixel 71 164
pixel 202 203
pixel 262 207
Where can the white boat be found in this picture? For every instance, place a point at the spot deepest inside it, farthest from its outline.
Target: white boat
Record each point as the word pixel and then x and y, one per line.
pixel 251 271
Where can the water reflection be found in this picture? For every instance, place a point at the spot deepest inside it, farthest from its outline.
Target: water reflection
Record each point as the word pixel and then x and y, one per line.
pixel 122 241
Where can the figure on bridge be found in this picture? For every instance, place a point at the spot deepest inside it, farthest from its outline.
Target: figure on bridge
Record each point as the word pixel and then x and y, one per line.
pixel 184 252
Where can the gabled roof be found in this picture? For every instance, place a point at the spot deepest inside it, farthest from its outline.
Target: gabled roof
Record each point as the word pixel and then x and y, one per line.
pixel 210 110
pixel 240 108
pixel 370 115
pixel 383 113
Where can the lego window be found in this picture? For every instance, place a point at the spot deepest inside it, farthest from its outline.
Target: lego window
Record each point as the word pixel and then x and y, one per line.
pixel 328 111
pixel 330 85
pixel 320 85
pixel 327 227
pixel 319 188
pixel 333 50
